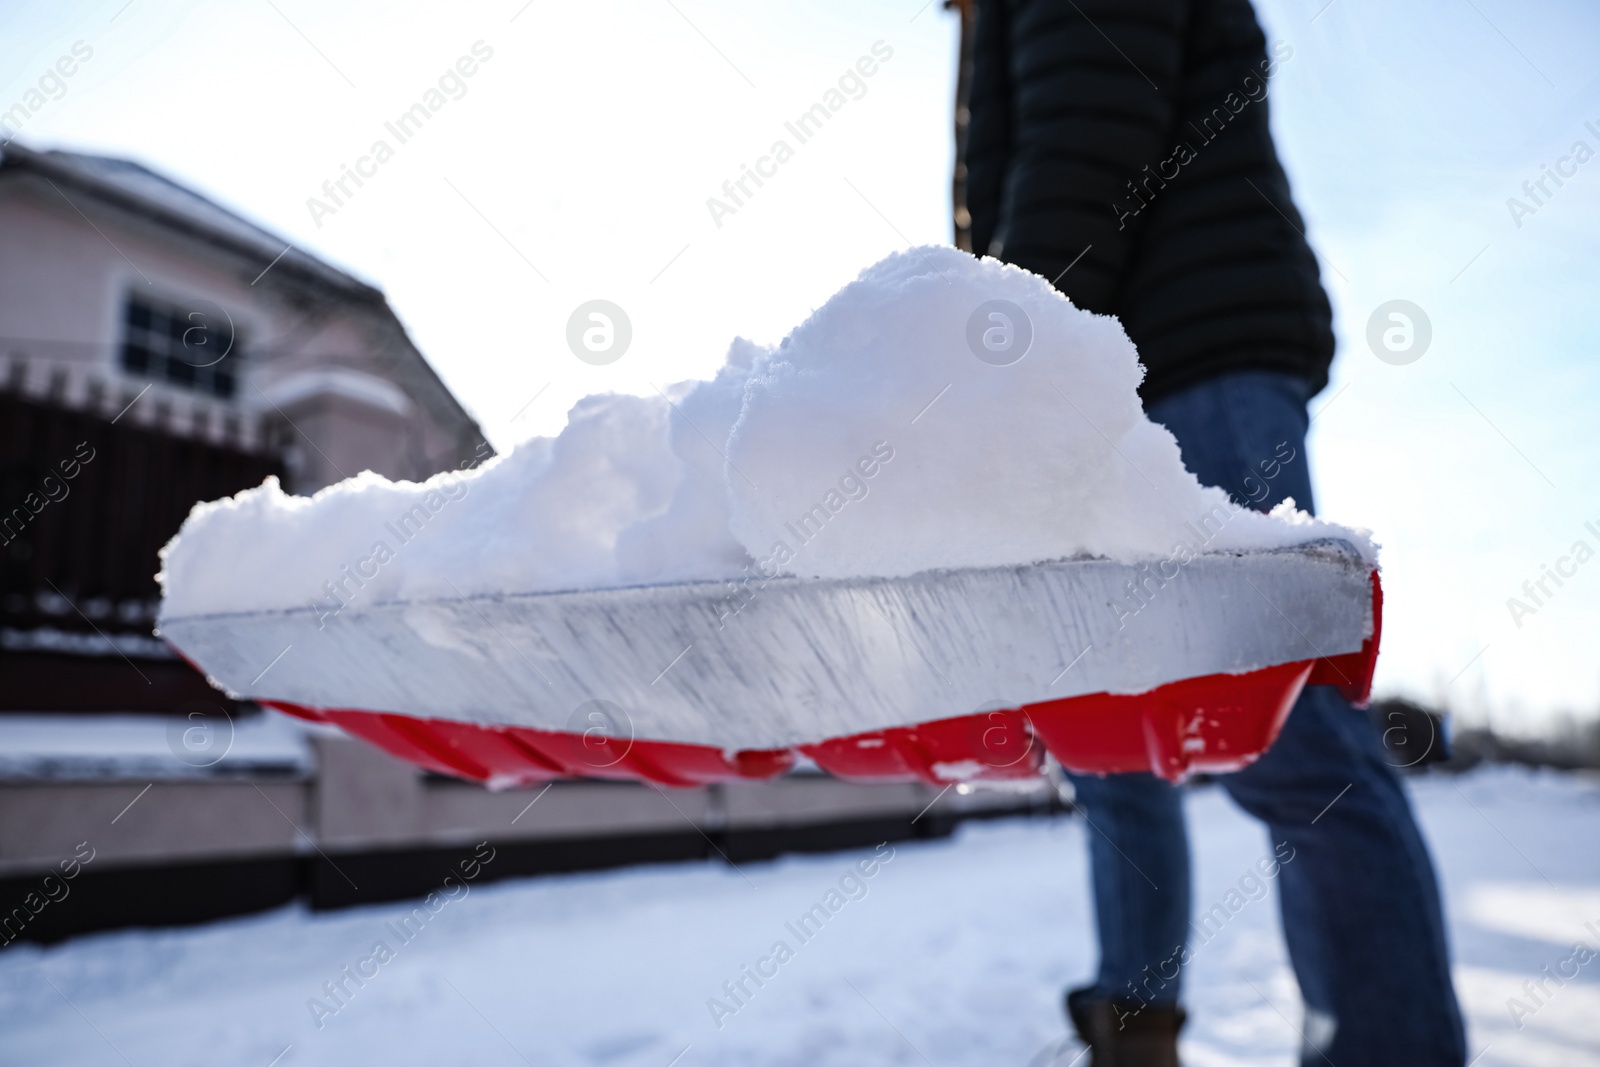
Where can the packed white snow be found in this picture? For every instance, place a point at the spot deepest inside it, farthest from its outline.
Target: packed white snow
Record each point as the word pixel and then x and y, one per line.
pixel 877 440
pixel 939 411
pixel 958 948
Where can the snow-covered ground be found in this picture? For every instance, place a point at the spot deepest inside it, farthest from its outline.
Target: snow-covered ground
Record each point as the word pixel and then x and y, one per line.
pixel 949 953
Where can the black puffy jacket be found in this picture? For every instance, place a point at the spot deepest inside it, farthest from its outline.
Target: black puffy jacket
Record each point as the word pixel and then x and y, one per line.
pixel 1137 129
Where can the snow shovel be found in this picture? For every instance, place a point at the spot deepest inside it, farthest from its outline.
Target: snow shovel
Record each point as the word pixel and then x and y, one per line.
pixel 946 676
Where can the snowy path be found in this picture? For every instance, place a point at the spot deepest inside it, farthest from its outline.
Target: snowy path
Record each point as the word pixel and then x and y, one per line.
pixel 954 956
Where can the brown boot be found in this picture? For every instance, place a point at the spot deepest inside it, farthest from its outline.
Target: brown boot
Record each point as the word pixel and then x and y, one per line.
pixel 1121 1033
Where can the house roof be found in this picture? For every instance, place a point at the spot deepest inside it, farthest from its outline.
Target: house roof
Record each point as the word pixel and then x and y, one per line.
pixel 144 192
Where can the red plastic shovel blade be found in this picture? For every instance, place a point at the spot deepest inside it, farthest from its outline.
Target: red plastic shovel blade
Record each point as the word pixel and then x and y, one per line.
pixel 1218 722
pixel 505 756
pixel 988 746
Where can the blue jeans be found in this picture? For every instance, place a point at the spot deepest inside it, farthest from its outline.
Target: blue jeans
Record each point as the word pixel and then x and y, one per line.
pixel 1359 901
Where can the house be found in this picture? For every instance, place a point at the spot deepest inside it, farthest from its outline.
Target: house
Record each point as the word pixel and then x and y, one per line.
pixel 114 278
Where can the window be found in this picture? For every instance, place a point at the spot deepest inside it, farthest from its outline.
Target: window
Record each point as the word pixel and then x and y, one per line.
pixel 195 348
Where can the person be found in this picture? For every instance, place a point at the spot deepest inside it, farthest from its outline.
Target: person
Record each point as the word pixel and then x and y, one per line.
pixel 1122 149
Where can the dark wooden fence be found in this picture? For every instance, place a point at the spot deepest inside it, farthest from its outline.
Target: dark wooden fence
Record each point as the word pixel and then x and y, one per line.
pixel 85 504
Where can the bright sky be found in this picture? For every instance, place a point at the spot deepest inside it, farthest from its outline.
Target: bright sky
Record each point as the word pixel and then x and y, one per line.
pixel 577 161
